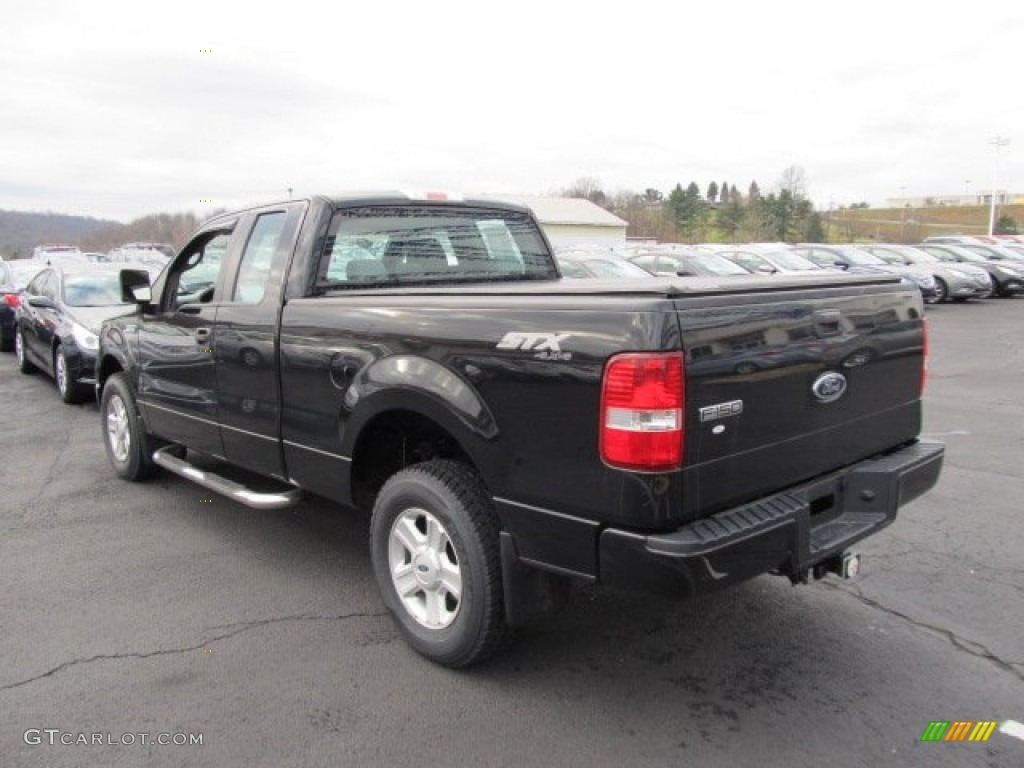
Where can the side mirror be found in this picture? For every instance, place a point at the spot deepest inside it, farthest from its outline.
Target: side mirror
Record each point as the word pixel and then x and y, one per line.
pixel 766 269
pixel 41 302
pixel 135 288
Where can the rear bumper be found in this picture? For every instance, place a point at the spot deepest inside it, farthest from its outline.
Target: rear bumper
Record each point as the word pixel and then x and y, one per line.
pixel 788 532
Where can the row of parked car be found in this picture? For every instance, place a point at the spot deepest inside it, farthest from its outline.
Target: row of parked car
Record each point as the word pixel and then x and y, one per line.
pixel 53 304
pixel 949 268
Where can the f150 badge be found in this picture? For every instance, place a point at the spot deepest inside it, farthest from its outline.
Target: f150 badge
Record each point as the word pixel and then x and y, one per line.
pixel 545 346
pixel 829 387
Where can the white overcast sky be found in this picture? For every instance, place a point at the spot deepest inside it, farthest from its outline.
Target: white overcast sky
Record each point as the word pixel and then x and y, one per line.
pixel 112 109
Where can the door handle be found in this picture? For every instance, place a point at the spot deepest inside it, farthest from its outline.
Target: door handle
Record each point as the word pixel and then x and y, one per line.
pixel 202 335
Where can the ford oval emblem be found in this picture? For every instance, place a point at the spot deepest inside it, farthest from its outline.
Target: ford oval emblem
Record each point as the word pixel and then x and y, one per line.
pixel 829 387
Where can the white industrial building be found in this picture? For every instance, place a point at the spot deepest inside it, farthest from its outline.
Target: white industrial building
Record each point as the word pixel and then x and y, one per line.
pixel 573 221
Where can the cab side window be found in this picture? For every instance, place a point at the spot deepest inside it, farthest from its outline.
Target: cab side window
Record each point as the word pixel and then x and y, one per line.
pixel 258 257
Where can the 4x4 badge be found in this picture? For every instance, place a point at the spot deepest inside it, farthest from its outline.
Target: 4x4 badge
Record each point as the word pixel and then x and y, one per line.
pixel 829 387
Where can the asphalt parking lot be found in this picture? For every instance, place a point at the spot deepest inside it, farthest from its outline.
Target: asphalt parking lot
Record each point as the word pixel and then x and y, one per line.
pixel 158 608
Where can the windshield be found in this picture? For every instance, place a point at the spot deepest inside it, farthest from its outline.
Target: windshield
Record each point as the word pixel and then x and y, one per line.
pixel 861 258
pixel 708 264
pixel 612 268
pixel 940 254
pixel 919 257
pixel 890 257
pixel 92 290
pixel 987 251
pixel 790 260
pixel 955 254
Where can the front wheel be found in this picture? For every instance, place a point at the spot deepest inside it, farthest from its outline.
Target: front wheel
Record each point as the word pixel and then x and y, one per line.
pixel 941 291
pixel 128 446
pixel 434 547
pixel 70 390
pixel 19 352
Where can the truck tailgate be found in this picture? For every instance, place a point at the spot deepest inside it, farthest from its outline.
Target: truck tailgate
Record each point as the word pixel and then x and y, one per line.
pixel 789 385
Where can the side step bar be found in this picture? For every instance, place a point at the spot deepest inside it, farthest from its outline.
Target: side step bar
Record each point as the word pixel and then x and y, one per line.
pixel 171 457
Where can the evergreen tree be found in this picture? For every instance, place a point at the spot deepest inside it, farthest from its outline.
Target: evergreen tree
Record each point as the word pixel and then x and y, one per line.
pixel 712 192
pixel 815 232
pixel 687 210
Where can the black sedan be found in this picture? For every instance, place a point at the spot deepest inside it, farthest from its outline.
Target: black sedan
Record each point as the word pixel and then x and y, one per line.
pixel 56 322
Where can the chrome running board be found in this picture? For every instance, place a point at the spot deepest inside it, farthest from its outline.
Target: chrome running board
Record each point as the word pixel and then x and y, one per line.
pixel 171 457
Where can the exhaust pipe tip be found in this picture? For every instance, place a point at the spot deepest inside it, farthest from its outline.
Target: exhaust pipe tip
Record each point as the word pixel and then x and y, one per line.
pixel 849 567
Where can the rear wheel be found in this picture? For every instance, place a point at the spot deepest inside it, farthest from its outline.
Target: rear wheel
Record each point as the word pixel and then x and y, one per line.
pixel 19 352
pixel 70 390
pixel 129 448
pixel 434 546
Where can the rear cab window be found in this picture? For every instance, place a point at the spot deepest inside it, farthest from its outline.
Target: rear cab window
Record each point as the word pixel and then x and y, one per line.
pixel 398 245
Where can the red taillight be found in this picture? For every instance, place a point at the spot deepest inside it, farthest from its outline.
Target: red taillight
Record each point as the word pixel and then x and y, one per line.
pixel 924 354
pixel 642 407
pixel 11 300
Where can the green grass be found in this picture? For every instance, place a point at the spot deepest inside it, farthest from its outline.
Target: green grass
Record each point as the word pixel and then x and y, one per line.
pixel 911 225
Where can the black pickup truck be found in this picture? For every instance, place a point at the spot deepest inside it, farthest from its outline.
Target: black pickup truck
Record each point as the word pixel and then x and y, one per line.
pixel 515 433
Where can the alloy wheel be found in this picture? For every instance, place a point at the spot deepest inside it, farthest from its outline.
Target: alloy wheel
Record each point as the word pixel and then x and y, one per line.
pixel 425 568
pixel 118 434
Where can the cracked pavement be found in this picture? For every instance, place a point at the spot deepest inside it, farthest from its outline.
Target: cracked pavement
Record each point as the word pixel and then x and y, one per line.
pixel 152 608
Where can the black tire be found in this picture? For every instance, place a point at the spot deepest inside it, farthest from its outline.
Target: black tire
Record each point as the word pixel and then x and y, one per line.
pixel 136 463
pixel 19 352
pixel 941 291
pixel 452 494
pixel 7 342
pixel 71 392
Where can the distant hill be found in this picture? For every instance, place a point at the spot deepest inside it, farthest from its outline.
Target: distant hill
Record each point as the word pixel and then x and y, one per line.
pixel 21 232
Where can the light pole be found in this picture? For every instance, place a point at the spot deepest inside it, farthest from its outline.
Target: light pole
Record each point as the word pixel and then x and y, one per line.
pixel 999 142
pixel 903 212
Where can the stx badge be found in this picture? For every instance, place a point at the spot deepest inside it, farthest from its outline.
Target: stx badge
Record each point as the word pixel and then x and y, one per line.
pixel 545 345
